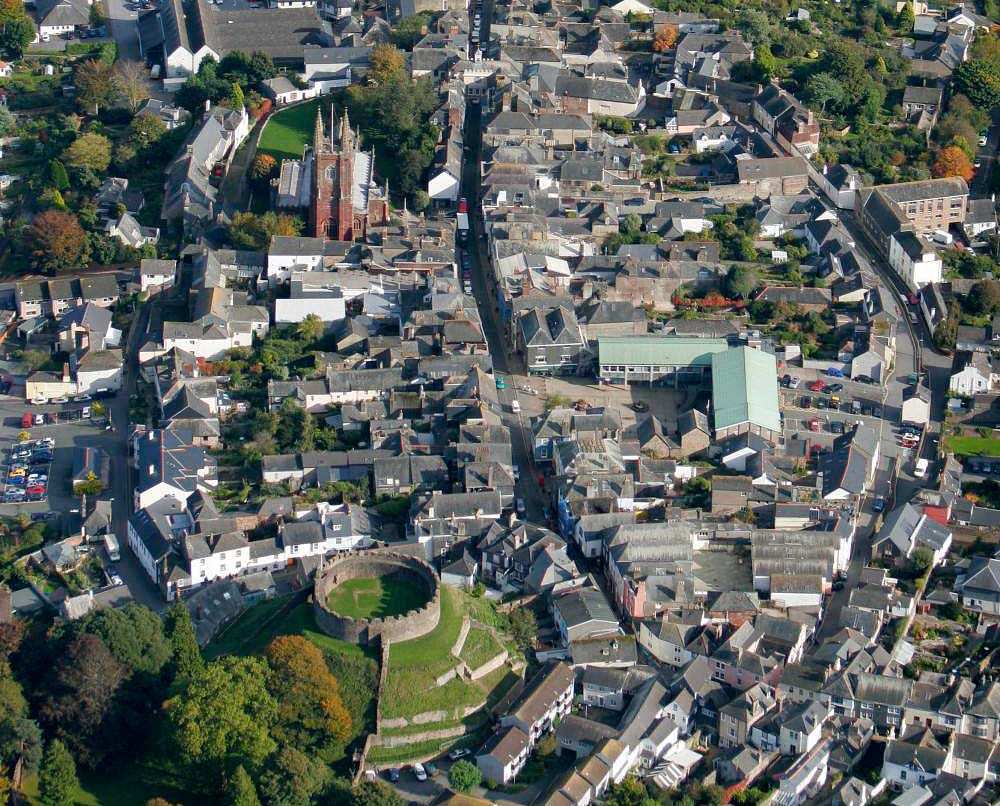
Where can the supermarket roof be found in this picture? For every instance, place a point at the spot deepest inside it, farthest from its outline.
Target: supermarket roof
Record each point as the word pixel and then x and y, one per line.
pixel 675 351
pixel 745 388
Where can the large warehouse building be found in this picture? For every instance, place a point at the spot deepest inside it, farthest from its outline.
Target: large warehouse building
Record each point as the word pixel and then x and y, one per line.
pixel 744 380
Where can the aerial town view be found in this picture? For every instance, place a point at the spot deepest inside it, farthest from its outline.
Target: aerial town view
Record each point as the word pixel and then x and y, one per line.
pixel 499 403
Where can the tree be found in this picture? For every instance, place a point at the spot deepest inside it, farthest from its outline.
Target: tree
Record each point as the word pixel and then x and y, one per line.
pixel 922 559
pixel 631 223
pixel 133 634
pixel 311 713
pixel 144 130
pixel 386 62
pixel 237 100
pixel 96 84
pixel 983 297
pixel 92 485
pixel 224 712
pixel 905 19
pixel 946 333
pixel 755 26
pixel 523 627
pixel 33 359
pixel 80 694
pixel 251 231
pixel 57 782
pixel 185 658
pixel 241 790
pixel 665 37
pixel 421 201
pixel 263 168
pixel 57 241
pixel 16 34
pixel 19 736
pixel 375 793
pixel 293 778
pixel 952 161
pixel 463 776
pixel 132 82
pixel 58 176
pixel 8 123
pixel 91 151
pixel 979 80
pixel 310 329
pixel 823 89
pixel 765 62
pixel 739 282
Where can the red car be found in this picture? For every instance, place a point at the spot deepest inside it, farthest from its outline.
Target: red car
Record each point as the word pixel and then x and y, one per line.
pixel 814 424
pixel 816 386
pixel 36 489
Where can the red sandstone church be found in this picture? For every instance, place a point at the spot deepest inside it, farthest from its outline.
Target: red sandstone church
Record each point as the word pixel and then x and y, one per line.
pixel 344 199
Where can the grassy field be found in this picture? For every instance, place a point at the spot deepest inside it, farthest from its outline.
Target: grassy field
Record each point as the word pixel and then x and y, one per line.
pixel 973 446
pixel 414 665
pixel 288 130
pixel 480 646
pixel 366 598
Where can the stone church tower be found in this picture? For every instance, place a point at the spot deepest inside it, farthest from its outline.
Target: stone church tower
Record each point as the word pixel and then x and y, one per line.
pixel 344 198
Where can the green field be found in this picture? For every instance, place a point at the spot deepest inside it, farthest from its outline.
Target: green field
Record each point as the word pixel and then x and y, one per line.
pixel 366 598
pixel 973 446
pixel 288 130
pixel 480 646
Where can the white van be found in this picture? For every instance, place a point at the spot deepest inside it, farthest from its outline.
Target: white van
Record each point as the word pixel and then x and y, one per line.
pixel 515 407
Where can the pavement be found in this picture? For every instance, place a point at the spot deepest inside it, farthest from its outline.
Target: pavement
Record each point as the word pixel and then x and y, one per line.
pixel 122 472
pixel 122 26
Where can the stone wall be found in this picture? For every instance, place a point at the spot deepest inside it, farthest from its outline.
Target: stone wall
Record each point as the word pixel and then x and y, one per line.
pixel 491 665
pixel 376 564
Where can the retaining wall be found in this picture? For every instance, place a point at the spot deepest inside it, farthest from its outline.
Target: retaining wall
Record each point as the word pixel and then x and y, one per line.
pixel 375 564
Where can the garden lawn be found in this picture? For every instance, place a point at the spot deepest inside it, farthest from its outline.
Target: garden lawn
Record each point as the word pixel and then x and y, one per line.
pixel 370 597
pixel 973 446
pixel 288 130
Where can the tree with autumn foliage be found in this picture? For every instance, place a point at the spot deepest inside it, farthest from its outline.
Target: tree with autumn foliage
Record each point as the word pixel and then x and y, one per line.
pixel 56 241
pixel 248 230
pixel 952 161
pixel 664 38
pixel 262 169
pixel 96 84
pixel 311 714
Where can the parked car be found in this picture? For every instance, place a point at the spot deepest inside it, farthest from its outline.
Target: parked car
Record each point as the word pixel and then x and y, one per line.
pixel 878 505
pixel 457 752
pixel 833 372
pixel 836 387
pixel 394 775
pixel 816 386
pixel 795 383
pixel 419 772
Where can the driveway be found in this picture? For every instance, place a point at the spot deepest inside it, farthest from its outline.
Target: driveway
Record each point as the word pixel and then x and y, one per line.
pixel 122 26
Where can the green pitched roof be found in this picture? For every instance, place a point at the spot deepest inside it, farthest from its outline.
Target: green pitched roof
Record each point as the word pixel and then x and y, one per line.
pixel 745 388
pixel 658 350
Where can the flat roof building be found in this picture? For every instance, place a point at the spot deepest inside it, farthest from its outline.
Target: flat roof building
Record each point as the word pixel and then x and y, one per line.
pixel 656 359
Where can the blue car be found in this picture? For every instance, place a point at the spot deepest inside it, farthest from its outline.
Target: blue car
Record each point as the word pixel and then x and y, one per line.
pixel 833 372
pixel 394 775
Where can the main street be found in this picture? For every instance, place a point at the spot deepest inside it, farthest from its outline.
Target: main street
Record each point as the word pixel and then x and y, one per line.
pixel 528 488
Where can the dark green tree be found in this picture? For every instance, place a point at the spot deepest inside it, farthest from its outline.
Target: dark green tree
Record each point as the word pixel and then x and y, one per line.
pixel 464 776
pixel 17 34
pixel 58 176
pixel 739 282
pixel 241 791
pixel 375 793
pixel 57 781
pixel 133 634
pixel 979 80
pixel 185 658
pixel 293 778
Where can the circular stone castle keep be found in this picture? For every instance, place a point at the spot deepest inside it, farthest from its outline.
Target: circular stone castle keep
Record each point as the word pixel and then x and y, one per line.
pixel 388 568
